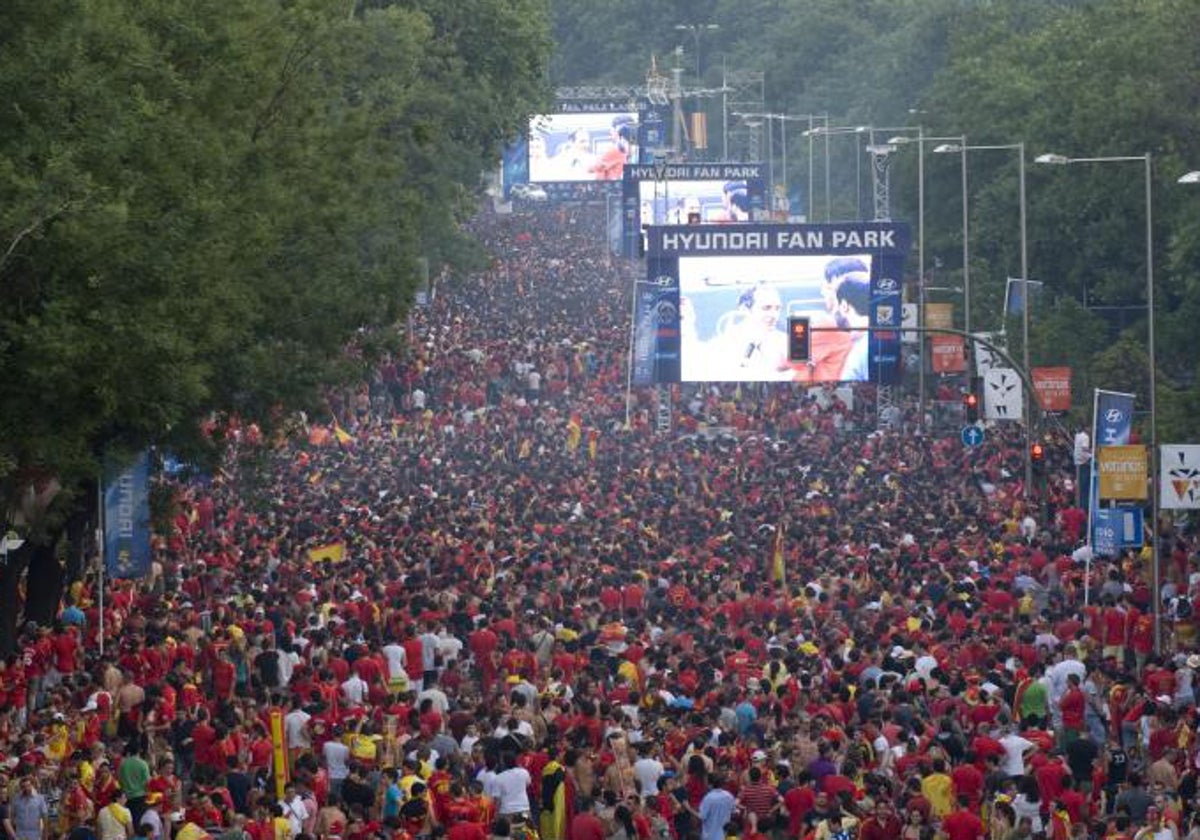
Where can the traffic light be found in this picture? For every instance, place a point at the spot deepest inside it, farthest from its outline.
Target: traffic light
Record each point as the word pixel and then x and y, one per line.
pixel 799 339
pixel 1037 454
pixel 971 407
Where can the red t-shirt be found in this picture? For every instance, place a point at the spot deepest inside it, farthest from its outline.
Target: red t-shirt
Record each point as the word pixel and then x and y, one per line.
pixel 962 825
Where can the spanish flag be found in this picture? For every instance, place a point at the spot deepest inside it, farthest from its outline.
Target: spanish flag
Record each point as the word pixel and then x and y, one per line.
pixel 593 442
pixel 333 552
pixel 343 437
pixel 574 431
pixel 778 570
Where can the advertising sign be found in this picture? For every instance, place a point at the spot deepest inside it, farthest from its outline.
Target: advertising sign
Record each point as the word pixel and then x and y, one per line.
pixel 1180 469
pixel 939 316
pixel 1052 387
pixel 1123 471
pixel 946 354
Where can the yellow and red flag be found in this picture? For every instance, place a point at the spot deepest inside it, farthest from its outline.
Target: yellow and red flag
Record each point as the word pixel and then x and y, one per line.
pixel 333 552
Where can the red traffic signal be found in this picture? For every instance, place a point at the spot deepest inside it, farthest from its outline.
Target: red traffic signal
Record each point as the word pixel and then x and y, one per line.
pixel 1037 453
pixel 971 407
pixel 799 339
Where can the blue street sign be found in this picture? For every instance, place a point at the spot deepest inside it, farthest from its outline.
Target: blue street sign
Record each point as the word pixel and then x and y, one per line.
pixel 1115 529
pixel 972 436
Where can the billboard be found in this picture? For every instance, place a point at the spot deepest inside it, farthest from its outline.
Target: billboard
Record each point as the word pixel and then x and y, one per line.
pixel 1180 475
pixel 1123 472
pixel 574 147
pixel 673 193
pixel 715 304
pixel 1052 386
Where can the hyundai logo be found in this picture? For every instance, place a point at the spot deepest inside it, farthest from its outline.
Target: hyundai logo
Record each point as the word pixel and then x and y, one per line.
pixel 1114 415
pixel 886 284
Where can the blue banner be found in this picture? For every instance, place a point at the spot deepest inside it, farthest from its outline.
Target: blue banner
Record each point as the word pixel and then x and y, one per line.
pixel 887 306
pixel 127 520
pixel 656 336
pixel 1114 418
pixel 515 165
pixel 1115 529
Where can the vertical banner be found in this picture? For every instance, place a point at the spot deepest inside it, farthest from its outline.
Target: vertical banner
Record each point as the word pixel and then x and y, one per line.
pixel 279 766
pixel 1123 471
pixel 939 316
pixel 1052 387
pixel 946 354
pixel 1114 418
pixel 657 323
pixel 887 311
pixel 127 519
pixel 910 324
pixel 1180 469
pixel 984 358
pixel 1117 529
pixel 1003 395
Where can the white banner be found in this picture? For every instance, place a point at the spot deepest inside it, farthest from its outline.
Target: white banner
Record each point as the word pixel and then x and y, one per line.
pixel 985 359
pixel 909 323
pixel 1179 471
pixel 1003 396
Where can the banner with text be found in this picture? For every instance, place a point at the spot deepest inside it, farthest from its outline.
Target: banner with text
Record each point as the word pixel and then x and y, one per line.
pixel 127 520
pixel 1052 385
pixel 1114 418
pixel 939 316
pixel 1116 529
pixel 1123 471
pixel 1179 466
pixel 946 354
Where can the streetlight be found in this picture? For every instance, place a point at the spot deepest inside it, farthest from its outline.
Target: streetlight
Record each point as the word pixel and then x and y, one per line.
pixel 828 131
pixel 784 119
pixel 697 30
pixel 1019 148
pixel 1189 178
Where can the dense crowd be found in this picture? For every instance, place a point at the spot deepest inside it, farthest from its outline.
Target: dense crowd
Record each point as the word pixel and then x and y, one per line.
pixel 484 606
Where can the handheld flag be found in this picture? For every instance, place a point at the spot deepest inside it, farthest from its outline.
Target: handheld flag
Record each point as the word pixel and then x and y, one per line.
pixel 333 552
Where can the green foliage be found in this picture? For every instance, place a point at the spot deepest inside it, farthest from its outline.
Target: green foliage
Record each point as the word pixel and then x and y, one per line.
pixel 203 202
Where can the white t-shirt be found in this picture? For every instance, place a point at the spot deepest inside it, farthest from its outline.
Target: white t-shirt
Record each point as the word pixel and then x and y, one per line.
pixel 111 821
pixel 294 724
pixel 337 759
pixel 296 814
pixel 1015 746
pixel 355 691
pixel 648 771
pixel 512 788
pixel 395 656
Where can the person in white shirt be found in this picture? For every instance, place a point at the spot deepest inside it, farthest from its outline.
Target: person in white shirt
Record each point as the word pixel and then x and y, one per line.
pixel 396 658
pixel 114 821
pixel 647 770
pixel 295 810
pixel 337 760
pixel 295 727
pixel 288 660
pixel 354 691
pixel 450 647
pixel 1016 749
pixel 512 789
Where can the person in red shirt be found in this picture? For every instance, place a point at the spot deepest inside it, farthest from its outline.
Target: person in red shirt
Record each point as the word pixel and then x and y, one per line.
pixel 586 825
pixel 882 824
pixel 962 824
pixel 1072 705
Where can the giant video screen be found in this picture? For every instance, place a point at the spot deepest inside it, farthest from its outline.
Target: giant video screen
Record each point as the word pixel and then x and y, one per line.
pixel 733 313
pixel 582 146
pixel 675 202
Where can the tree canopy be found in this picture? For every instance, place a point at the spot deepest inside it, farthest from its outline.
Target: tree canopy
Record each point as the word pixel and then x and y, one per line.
pixel 1083 78
pixel 203 202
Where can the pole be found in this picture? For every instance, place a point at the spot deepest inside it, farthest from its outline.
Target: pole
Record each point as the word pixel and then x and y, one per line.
pixel 629 367
pixel 809 218
pixel 858 153
pixel 966 244
pixel 724 111
pixel 783 143
pixel 100 578
pixel 921 271
pixel 1087 568
pixel 1154 465
pixel 1025 322
pixel 827 181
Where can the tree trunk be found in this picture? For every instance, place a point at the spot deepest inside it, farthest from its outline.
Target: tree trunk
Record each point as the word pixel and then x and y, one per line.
pixel 10 599
pixel 43 588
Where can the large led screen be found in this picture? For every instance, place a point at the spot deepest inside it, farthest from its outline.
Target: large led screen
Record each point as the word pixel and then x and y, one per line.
pixel 582 146
pixel 733 313
pixel 674 202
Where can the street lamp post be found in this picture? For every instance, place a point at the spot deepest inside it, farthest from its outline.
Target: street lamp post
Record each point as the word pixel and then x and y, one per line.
pixel 1191 177
pixel 1019 148
pixel 784 119
pixel 828 131
pixel 697 30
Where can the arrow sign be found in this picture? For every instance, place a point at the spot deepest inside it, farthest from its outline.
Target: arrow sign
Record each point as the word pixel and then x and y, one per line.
pixel 972 435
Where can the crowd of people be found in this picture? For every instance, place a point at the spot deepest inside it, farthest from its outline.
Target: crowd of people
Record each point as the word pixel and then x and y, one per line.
pixel 482 605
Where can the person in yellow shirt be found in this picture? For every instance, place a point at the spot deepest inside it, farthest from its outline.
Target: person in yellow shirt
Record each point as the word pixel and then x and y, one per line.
pixel 939 790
